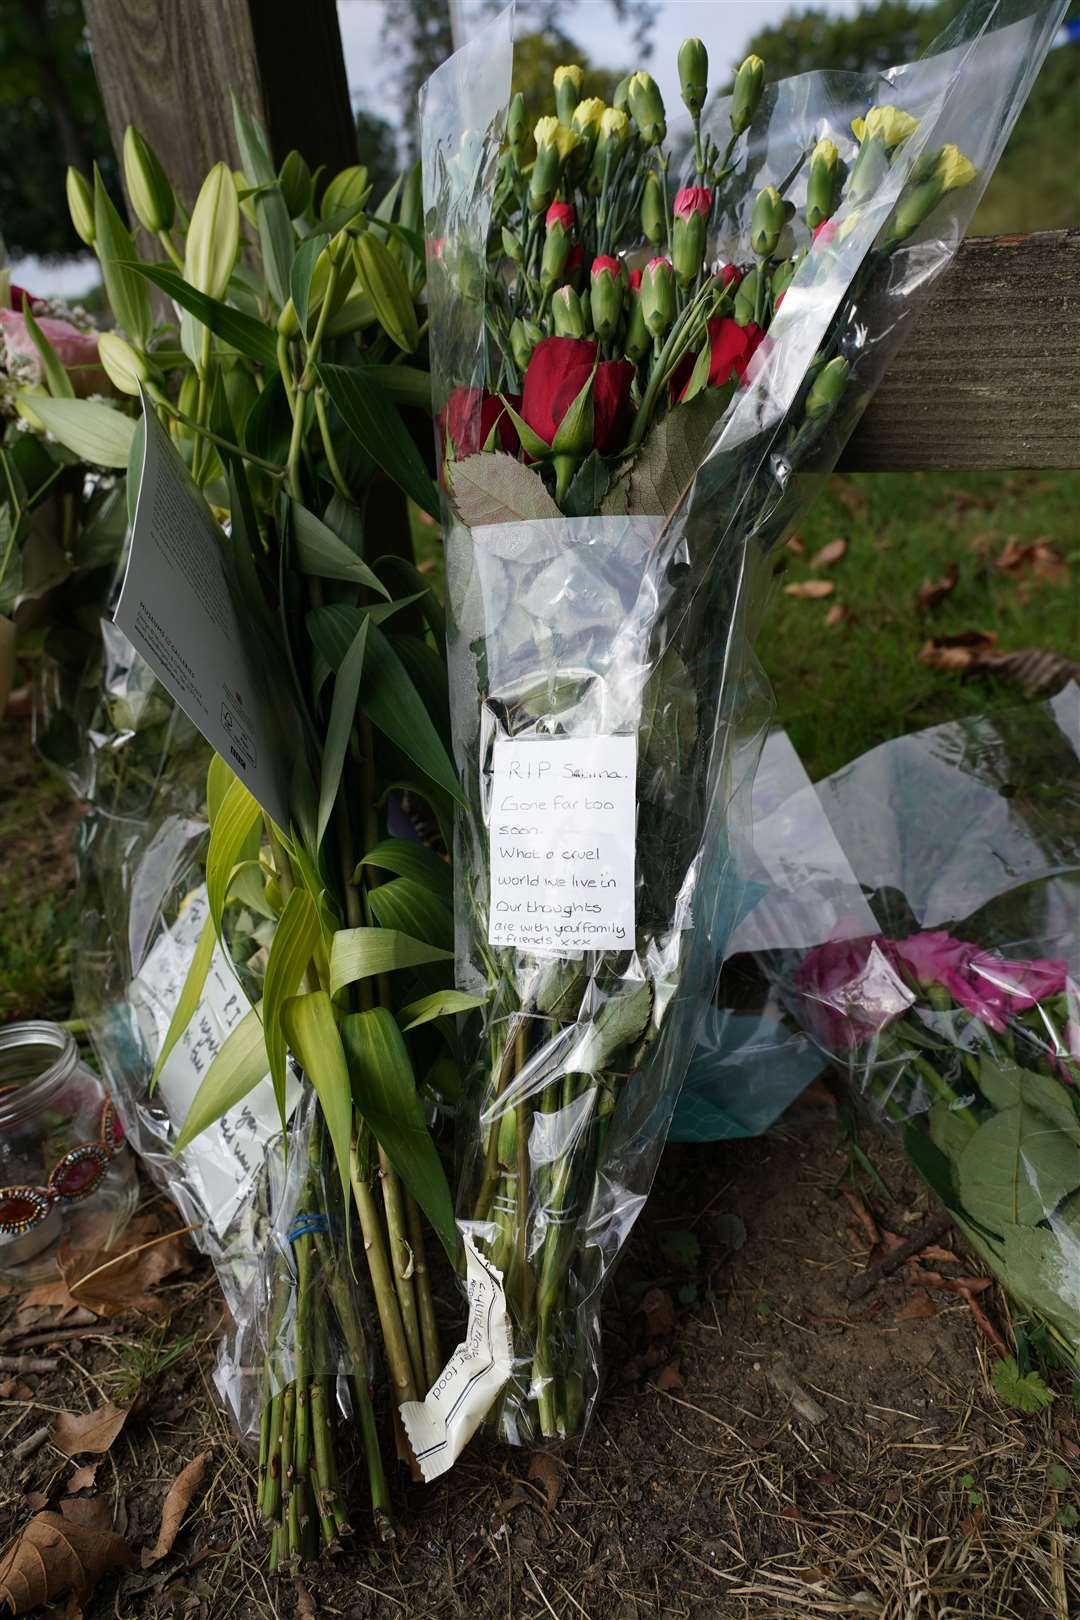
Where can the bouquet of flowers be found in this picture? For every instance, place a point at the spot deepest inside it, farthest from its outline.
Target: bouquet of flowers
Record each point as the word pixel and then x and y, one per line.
pixel 281 392
pixel 635 373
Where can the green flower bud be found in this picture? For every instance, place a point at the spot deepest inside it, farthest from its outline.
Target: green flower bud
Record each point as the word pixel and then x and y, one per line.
pixel 297 187
pixel 657 296
pixel 693 74
pixel 381 277
pixel 606 296
pixel 513 246
pixel 821 188
pixel 346 191
pixel 568 313
pixel 653 222
pixel 554 144
pixel 568 83
pixel 613 136
pixel 939 172
pixel 148 188
pixel 767 219
pixel 827 388
pixel 869 169
pixel 746 295
pixel 746 96
pixel 517 123
pixel 620 100
pixel 638 340
pixel 557 240
pixel 80 203
pixel 693 205
pixel 124 366
pixel 647 108
pixel 524 336
pixel 213 238
pixel 783 276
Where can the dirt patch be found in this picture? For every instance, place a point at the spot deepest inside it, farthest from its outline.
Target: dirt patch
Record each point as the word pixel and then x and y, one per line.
pixel 764 1447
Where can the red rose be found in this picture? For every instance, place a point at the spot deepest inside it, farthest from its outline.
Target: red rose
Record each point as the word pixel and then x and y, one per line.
pixel 731 348
pixel 635 280
pixel 693 200
pixel 467 419
pixel 728 274
pixel 20 298
pixel 558 371
pixel 561 214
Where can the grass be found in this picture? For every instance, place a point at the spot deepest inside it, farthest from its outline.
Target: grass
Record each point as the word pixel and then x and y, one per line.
pixel 842 689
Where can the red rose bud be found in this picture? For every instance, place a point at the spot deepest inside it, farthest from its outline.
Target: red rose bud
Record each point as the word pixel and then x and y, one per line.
pixel 731 348
pixel 825 232
pixel 559 369
pixel 729 274
pixel 693 204
pixel 466 420
pixel 560 224
pixel 568 314
pixel 606 296
pixel 658 296
pixel 638 340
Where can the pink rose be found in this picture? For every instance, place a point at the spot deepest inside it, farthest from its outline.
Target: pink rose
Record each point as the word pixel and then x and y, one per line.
pixel 851 990
pixel 991 987
pixel 76 351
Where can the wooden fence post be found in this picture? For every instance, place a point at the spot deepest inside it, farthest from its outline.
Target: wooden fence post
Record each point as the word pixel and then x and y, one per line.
pixel 168 66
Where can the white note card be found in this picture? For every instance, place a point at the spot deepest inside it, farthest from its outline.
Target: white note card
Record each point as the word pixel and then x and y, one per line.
pixel 562 828
pixel 176 610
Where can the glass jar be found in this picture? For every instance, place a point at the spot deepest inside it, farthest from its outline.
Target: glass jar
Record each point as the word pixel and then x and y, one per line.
pixel 61 1152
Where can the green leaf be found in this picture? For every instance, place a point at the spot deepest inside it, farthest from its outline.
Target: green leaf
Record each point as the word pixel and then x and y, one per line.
pixel 277 241
pixel 384 1089
pixel 560 988
pixel 400 569
pixel 253 338
pixel 669 719
pixel 303 267
pixel 237 1069
pixel 407 858
pixel 1026 1392
pixel 411 908
pixel 133 482
pixel 441 1004
pixel 57 380
pixel 236 825
pixel 1004 1084
pixel 219 778
pixel 95 433
pixel 334 626
pixel 319 551
pixel 378 429
pixel 268 427
pixel 312 1033
pixel 392 703
pixel 494 488
pixel 668 461
pixel 680 1247
pixel 190 996
pixel 1016 1169
pixel 576 426
pixel 588 487
pixel 402 385
pixel 619 1023
pixel 115 248
pixel 339 727
pixel 949 1131
pixel 359 953
pixel 291 949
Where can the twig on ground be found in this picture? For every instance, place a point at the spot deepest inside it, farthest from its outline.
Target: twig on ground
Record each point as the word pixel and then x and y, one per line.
pixel 862 1284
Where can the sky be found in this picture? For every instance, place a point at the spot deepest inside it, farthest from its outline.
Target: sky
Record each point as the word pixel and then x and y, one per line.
pixel 724 25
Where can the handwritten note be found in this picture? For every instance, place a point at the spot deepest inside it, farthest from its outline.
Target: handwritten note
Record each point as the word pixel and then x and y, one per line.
pixel 562 829
pixel 223 1162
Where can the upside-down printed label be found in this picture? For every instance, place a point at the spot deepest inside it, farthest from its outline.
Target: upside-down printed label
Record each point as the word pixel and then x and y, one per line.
pixel 562 829
pixel 441 1425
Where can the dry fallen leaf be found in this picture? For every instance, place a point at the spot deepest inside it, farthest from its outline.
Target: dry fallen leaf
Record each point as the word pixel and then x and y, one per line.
pixel 13 1389
pixel 829 554
pixel 839 613
pixel 957 652
pixel 922 1306
pixel 75 1432
pixel 305 1603
pixel 60 1552
pixel 795 544
pixel 849 495
pixel 549 1473
pixel 659 1312
pixel 176 1504
pixel 811 588
pixel 120 1278
pixel 1036 670
pixel 1038 557
pixel 82 1478
pixel 932 592
pixel 669 1377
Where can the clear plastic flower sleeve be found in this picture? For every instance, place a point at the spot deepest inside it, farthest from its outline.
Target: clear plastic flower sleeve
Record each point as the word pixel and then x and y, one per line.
pixel 604 694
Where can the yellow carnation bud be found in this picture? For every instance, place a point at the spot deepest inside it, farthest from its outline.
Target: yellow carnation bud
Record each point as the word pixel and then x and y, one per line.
pixel 614 125
pixel 587 115
pixel 891 124
pixel 954 170
pixel 568 83
pixel 546 131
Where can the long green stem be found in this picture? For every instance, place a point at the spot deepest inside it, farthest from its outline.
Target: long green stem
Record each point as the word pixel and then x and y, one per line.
pixel 272 467
pixel 393 1333
pixel 401 1264
pixel 429 1332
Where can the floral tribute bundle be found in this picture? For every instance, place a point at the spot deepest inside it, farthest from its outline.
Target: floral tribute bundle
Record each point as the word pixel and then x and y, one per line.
pixel 639 345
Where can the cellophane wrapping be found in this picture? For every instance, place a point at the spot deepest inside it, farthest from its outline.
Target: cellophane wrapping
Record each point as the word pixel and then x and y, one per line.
pixel 923 927
pixel 640 627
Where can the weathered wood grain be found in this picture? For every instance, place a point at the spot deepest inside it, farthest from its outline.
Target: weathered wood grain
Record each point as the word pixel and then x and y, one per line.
pixel 168 67
pixel 988 372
